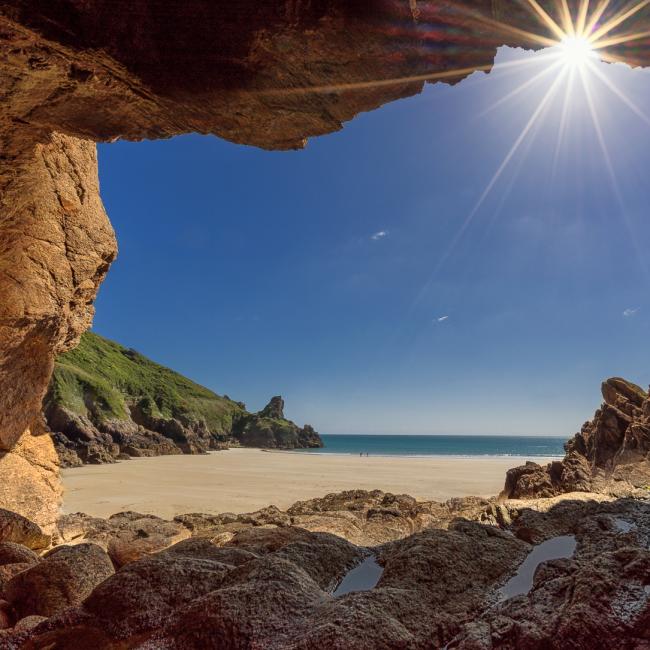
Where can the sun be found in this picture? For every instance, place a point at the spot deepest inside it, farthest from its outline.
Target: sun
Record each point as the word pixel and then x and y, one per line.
pixel 575 51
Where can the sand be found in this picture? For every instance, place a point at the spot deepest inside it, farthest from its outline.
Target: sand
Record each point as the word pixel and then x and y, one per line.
pixel 243 480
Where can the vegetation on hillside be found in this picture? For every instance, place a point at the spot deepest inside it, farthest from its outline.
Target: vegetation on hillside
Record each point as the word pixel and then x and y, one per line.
pixel 107 402
pixel 102 380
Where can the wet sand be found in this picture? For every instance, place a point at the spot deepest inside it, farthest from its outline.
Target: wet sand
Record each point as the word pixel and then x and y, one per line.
pixel 243 480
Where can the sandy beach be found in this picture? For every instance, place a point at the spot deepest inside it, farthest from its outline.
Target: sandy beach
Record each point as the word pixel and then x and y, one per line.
pixel 242 480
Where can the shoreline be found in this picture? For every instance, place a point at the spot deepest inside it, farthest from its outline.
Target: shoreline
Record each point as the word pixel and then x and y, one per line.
pixel 303 452
pixel 244 480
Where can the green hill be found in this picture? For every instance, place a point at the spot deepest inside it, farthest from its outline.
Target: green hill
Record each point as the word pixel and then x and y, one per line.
pixel 107 402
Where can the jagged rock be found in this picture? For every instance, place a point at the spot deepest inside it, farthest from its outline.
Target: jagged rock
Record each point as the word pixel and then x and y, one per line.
pixel 212 524
pixel 274 409
pixel 8 571
pixel 142 595
pixel 610 452
pixel 376 517
pixel 64 578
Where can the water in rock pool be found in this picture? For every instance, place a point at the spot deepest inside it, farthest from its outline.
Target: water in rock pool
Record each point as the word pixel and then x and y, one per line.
pixel 363 577
pixel 552 549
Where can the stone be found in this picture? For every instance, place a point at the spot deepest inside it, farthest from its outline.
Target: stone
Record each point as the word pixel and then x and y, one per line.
pixel 11 553
pixel 17 529
pixel 271 586
pixel 65 577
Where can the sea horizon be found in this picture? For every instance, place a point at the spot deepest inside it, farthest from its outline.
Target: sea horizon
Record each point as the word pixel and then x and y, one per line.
pixel 448 445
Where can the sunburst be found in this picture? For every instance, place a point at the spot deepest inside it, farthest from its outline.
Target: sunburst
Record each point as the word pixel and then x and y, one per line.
pixel 575 42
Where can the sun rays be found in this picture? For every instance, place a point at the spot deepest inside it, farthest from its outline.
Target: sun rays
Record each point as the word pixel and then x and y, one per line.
pixel 578 40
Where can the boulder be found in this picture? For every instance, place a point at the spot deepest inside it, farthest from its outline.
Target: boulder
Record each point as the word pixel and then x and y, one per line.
pixel 20 530
pixel 11 553
pixel 66 576
pixel 141 596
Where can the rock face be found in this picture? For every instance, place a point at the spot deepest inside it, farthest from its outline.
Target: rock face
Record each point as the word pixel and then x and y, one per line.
pixel 106 403
pixel 611 453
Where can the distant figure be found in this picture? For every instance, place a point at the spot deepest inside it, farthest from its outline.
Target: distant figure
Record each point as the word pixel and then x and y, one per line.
pixel 367 454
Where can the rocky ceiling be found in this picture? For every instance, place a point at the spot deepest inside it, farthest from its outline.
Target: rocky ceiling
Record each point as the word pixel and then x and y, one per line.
pixel 269 74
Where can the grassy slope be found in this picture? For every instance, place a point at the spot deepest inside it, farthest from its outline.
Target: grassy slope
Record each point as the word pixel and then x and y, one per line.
pixel 103 377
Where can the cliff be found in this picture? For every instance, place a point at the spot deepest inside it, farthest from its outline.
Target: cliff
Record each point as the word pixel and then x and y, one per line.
pixel 106 402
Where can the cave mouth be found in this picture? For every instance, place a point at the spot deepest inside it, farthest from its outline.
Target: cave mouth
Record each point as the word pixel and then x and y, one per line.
pixel 220 261
pixel 77 75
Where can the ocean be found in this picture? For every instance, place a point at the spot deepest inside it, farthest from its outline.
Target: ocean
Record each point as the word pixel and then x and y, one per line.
pixel 463 446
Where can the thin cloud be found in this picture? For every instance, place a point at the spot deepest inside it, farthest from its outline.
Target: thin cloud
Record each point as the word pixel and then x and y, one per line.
pixel 379 235
pixel 442 319
pixel 629 312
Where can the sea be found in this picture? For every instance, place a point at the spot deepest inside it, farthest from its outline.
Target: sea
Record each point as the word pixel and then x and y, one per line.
pixel 441 445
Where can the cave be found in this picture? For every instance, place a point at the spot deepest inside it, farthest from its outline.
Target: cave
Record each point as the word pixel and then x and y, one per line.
pixel 269 75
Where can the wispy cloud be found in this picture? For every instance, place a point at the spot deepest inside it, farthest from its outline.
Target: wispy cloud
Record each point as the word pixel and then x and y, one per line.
pixel 629 312
pixel 441 319
pixel 379 235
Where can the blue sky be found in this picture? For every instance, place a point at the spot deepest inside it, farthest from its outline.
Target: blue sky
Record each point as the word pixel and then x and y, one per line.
pixel 329 276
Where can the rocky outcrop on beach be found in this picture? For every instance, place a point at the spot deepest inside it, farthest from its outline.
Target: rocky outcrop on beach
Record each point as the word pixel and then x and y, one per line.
pixel 107 403
pixel 263 580
pixel 611 453
pixel 269 429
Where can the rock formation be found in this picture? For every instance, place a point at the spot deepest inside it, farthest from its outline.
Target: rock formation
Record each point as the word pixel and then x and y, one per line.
pixel 611 453
pixel 267 74
pixel 266 579
pixel 106 403
pixel 271 430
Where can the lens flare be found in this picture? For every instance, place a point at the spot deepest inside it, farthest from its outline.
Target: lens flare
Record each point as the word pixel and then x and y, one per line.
pixel 576 51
